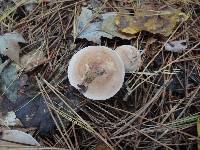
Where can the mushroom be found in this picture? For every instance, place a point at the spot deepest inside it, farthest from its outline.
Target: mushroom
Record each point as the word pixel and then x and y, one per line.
pixel 130 56
pixel 97 72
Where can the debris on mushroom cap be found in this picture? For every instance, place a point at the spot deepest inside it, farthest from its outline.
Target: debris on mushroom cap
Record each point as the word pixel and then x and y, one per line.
pixel 97 71
pixel 130 56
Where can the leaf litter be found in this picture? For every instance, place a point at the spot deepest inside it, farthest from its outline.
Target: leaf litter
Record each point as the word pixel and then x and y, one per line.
pixel 111 24
pixel 93 27
pixel 114 24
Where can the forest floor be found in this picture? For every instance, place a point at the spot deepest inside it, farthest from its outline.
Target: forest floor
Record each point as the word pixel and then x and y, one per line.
pixel 157 107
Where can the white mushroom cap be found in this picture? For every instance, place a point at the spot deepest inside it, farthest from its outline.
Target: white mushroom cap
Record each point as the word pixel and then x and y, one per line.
pixel 97 71
pixel 130 56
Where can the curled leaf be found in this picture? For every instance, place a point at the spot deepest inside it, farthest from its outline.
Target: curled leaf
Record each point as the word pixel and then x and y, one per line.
pixel 88 28
pixel 9 45
pixel 18 137
pixel 92 28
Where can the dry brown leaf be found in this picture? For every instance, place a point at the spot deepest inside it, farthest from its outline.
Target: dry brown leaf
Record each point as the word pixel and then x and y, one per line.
pixel 162 22
pixel 32 60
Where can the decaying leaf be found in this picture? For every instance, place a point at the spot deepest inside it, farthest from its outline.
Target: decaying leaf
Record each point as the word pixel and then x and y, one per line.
pixel 108 26
pixel 176 46
pixel 88 29
pixel 92 29
pixel 18 137
pixel 9 45
pixel 161 22
pixel 9 83
pixel 10 119
pixel 32 59
pixel 35 114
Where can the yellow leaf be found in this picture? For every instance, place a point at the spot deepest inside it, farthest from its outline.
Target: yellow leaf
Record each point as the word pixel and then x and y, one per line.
pixel 147 19
pixel 125 22
pixel 130 30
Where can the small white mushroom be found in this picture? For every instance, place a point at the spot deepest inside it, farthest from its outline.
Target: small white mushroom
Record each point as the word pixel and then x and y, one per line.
pixel 130 56
pixel 97 71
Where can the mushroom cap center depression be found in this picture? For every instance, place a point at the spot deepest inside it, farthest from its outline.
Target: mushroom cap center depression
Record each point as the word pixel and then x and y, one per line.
pixel 96 69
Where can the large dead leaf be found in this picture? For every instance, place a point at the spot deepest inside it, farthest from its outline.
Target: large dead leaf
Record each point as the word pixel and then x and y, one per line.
pixel 92 28
pixel 9 45
pixel 148 19
pixel 15 136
